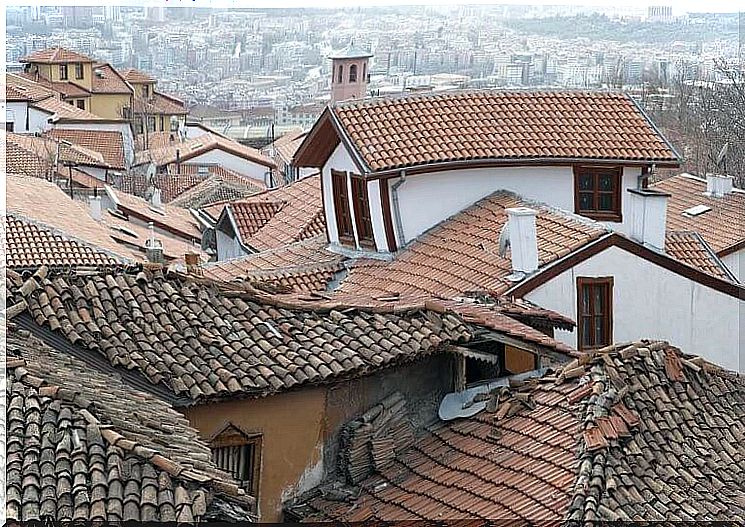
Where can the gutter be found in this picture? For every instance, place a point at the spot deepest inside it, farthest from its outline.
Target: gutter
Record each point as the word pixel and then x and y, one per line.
pixel 397 208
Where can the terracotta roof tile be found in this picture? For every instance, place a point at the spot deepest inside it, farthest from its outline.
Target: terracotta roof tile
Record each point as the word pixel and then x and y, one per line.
pixel 55 55
pixel 690 248
pixel 415 130
pixel 137 76
pixel 285 147
pixel 30 245
pixel 107 80
pixel 63 109
pixel 723 227
pixel 280 216
pixel 639 445
pixel 109 144
pixel 241 342
pixel 19 87
pixel 160 103
pixel 199 145
pixel 83 445
pixel 461 254
pixel 216 189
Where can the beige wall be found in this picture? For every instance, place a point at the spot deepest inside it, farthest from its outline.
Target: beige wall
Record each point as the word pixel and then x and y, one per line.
pixel 52 72
pixel 291 425
pixel 109 106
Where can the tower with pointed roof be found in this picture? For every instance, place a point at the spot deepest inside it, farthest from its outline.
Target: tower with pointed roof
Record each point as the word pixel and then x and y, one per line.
pixel 349 73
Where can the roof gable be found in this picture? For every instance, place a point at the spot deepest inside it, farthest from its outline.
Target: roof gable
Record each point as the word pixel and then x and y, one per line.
pixel 55 55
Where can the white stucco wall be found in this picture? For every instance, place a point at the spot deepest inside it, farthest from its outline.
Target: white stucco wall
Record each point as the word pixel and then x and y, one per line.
pixel 650 301
pixel 232 162
pixel 427 199
pixel 96 172
pixel 38 121
pixel 227 247
pixel 735 262
pixel 17 112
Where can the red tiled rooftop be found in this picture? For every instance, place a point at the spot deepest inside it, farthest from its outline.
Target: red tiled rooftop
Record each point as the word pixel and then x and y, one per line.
pixel 409 131
pixel 56 55
pixel 109 144
pixel 107 80
pixel 723 227
pixel 137 76
pixel 690 248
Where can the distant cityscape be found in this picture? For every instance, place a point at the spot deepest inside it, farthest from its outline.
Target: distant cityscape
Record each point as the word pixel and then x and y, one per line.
pixel 249 69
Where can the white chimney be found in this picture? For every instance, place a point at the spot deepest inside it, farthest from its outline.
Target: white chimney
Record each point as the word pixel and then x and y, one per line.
pixel 155 199
pixel 649 217
pixel 718 185
pixel 523 239
pixel 153 247
pixel 95 207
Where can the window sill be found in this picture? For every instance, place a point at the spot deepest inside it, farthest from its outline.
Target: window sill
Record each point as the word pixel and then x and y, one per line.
pixel 601 216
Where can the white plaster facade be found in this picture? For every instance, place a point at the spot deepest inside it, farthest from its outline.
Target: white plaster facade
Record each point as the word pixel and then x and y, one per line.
pixel 232 162
pixel 17 113
pixel 650 301
pixel 735 262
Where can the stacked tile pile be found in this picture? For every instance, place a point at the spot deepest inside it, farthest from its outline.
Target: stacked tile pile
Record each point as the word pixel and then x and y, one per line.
pixel 370 443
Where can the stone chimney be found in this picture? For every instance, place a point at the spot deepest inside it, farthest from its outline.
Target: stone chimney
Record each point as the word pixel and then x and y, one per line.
pixel 96 209
pixel 718 185
pixel 155 200
pixel 649 217
pixel 523 239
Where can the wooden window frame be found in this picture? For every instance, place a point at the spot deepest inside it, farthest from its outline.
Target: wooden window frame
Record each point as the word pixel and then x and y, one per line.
pixel 615 215
pixel 254 440
pixel 361 203
pixel 340 192
pixel 81 104
pixel 583 281
pixel 79 71
pixel 63 74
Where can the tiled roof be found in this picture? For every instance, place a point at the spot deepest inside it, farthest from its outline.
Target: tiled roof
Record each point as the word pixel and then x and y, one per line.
pixel 637 432
pixel 107 80
pixel 281 216
pixel 300 267
pixel 723 227
pixel 55 55
pixel 286 146
pixel 690 248
pixel 160 103
pixel 18 87
pixel 83 445
pixel 476 125
pixel 202 343
pixel 199 145
pixel 156 140
pixel 63 109
pixel 30 245
pixel 136 76
pixel 45 149
pixel 216 189
pixel 109 144
pixel 46 205
pixel 461 254
pixel 175 220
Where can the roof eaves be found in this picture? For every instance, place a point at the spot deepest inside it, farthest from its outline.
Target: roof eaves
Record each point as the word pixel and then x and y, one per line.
pixel 713 255
pixel 641 110
pixel 347 142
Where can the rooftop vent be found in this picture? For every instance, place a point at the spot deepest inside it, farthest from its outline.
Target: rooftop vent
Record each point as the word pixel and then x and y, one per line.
pixel 99 73
pixel 696 211
pixel 718 185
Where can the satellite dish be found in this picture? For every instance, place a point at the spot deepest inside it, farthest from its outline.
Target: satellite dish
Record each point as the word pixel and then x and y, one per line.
pixel 722 154
pixel 504 240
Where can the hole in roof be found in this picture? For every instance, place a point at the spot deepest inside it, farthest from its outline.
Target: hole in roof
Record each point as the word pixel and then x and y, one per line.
pixel 697 210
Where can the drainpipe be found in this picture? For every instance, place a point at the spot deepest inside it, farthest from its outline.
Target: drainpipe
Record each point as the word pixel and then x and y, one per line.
pixel 397 209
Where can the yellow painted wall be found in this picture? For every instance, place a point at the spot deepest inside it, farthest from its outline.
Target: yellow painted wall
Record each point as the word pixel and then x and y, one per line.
pixel 109 106
pixel 52 72
pixel 292 427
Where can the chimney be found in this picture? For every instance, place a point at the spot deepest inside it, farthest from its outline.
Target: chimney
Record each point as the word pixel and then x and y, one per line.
pixel 155 200
pixel 649 217
pixel 718 185
pixel 153 247
pixel 95 207
pixel 523 239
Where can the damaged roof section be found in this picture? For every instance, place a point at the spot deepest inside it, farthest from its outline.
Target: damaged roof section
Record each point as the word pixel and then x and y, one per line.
pixel 203 341
pixel 83 446
pixel 615 435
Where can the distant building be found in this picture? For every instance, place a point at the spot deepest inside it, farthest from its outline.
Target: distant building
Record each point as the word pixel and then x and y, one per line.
pixel 660 13
pixel 349 73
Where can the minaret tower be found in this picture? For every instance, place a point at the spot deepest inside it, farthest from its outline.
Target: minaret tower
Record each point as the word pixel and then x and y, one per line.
pixel 349 73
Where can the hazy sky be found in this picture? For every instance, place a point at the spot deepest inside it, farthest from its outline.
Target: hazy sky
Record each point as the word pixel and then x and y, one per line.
pixel 679 6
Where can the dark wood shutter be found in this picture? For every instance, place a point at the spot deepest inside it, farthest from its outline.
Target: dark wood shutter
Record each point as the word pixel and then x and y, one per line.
pixel 341 206
pixel 594 312
pixel 362 216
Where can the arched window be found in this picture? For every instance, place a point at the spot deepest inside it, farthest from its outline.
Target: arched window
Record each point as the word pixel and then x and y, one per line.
pixel 353 73
pixel 340 77
pixel 364 72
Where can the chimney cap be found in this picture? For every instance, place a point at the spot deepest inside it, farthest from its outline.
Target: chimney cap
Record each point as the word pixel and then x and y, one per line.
pixel 520 211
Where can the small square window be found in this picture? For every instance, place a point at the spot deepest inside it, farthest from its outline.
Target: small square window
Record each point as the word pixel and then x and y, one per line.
pixel 597 192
